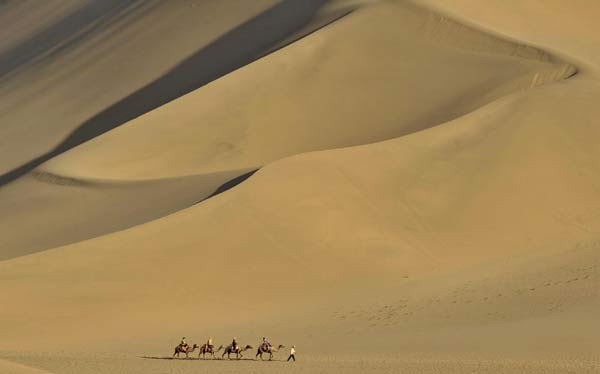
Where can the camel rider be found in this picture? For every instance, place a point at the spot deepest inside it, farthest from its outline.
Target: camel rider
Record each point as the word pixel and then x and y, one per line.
pixel 234 344
pixel 209 343
pixel 266 343
pixel 183 343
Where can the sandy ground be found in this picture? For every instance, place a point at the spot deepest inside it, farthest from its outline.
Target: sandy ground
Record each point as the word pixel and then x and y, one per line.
pixel 426 199
pixel 116 364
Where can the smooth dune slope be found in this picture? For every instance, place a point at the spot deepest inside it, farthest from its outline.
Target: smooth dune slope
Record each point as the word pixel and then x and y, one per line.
pixel 259 113
pixel 32 211
pixel 22 19
pixel 303 224
pixel 13 368
pixel 42 210
pixel 102 63
pixel 465 241
pixel 568 29
pixel 384 71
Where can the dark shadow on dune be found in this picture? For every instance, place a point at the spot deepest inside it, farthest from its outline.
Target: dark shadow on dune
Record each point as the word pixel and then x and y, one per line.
pixel 238 47
pixel 230 184
pixel 293 39
pixel 211 360
pixel 66 33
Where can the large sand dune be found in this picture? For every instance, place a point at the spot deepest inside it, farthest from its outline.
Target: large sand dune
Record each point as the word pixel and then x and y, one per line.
pixel 244 36
pixel 427 197
pixel 259 113
pixel 110 61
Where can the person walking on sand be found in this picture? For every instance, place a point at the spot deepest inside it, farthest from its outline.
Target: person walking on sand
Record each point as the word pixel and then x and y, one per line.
pixel 292 354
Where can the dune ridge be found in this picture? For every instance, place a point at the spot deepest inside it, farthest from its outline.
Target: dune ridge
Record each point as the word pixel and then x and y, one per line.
pixel 140 150
pixel 430 26
pixel 266 29
pixel 35 200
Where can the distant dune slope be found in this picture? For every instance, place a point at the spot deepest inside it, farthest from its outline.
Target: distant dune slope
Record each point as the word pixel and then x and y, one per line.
pixel 206 48
pixel 106 62
pixel 22 19
pixel 42 210
pixel 384 71
pixel 409 71
pixel 568 28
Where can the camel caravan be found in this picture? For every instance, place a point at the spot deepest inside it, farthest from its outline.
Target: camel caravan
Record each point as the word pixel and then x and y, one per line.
pixel 264 348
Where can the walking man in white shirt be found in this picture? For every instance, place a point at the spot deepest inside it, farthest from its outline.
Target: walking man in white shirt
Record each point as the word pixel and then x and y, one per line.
pixel 292 353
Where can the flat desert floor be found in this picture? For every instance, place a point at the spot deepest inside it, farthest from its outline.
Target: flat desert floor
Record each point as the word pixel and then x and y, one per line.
pixel 390 186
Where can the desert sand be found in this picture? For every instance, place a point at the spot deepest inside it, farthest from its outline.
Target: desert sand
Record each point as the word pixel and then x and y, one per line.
pixel 391 186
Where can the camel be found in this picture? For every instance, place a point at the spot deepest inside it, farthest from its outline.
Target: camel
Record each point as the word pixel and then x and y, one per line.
pixel 205 348
pixel 265 348
pixel 187 350
pixel 238 351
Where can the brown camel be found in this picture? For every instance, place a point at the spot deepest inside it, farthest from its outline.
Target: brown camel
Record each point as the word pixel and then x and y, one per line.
pixel 187 350
pixel 265 348
pixel 238 351
pixel 205 348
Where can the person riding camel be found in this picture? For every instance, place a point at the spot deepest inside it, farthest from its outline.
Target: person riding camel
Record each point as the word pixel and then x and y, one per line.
pixel 209 343
pixel 234 344
pixel 183 343
pixel 266 343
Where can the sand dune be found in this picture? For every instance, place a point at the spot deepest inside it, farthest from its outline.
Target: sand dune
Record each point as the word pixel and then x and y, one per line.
pixel 281 23
pixel 13 368
pixel 212 143
pixel 573 36
pixel 426 201
pixel 464 69
pixel 83 37
pixel 43 210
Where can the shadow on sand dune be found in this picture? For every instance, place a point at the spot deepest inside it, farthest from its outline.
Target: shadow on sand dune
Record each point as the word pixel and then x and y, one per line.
pixel 230 184
pixel 219 359
pixel 67 32
pixel 99 199
pixel 238 47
